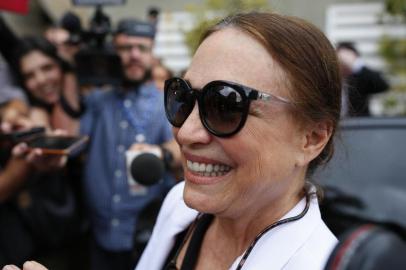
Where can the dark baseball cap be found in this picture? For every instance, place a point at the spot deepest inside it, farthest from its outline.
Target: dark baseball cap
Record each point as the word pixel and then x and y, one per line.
pixel 134 27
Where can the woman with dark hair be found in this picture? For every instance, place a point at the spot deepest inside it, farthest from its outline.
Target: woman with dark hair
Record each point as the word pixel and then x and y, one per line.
pixel 49 83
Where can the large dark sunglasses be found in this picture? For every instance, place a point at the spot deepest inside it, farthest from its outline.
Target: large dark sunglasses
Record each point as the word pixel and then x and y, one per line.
pixel 223 105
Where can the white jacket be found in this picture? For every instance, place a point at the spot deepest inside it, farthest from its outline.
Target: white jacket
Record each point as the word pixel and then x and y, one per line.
pixel 304 244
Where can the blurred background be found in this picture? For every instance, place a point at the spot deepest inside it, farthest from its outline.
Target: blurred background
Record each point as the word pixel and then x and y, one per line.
pixel 377 29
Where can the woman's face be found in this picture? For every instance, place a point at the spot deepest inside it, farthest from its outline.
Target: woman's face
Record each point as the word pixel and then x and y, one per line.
pixel 263 163
pixel 42 76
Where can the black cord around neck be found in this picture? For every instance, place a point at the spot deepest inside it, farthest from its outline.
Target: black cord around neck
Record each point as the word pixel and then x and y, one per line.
pixel 172 263
pixel 270 227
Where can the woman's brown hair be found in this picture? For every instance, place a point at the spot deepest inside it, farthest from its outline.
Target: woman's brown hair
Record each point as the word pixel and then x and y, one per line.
pixel 308 60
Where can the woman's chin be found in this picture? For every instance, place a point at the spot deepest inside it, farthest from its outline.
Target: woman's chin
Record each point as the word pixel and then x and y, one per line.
pixel 200 198
pixel 201 206
pixel 50 99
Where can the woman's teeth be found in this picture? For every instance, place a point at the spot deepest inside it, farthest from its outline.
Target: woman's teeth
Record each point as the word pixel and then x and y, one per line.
pixel 207 169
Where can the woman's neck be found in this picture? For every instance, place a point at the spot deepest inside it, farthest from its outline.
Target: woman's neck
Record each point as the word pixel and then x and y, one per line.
pixel 243 229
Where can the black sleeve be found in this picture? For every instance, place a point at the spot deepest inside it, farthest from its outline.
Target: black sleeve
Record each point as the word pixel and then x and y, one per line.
pixel 374 81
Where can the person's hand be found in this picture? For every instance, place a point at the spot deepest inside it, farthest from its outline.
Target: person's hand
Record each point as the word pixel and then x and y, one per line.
pixel 40 161
pixel 149 148
pixel 14 124
pixel 29 265
pixel 15 116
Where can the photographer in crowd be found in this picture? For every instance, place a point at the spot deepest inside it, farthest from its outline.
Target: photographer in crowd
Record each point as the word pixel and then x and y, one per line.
pixel 66 36
pixel 126 118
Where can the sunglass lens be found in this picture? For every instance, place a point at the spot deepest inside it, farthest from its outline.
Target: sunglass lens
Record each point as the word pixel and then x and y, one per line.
pixel 179 101
pixel 223 109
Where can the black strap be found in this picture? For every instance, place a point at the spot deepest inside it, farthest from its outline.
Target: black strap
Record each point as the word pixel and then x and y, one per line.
pixel 193 249
pixel 195 232
pixel 69 110
pixel 169 265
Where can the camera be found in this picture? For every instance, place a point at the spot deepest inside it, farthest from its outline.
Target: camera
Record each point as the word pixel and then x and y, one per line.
pixel 98 64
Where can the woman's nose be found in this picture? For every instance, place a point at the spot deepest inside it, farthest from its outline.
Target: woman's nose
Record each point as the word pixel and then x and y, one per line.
pixel 192 131
pixel 40 78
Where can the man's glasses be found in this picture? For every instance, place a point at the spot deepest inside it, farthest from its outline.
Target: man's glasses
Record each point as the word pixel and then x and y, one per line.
pixel 223 105
pixel 129 47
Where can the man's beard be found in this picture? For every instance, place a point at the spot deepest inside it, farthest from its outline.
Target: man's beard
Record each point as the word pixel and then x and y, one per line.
pixel 134 84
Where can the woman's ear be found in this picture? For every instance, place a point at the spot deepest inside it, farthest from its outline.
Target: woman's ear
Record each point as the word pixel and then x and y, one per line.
pixel 315 139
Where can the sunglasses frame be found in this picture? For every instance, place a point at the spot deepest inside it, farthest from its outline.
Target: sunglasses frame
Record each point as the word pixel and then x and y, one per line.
pixel 247 94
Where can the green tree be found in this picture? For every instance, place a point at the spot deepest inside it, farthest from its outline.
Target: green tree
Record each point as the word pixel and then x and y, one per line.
pixel 396 7
pixel 393 49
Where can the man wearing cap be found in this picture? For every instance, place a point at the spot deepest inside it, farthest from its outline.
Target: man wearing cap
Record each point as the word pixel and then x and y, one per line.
pixel 128 117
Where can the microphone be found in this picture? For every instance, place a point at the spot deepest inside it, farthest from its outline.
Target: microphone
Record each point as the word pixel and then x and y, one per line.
pixel 147 169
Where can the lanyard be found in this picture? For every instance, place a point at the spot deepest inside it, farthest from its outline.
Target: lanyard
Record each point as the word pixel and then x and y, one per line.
pixel 137 120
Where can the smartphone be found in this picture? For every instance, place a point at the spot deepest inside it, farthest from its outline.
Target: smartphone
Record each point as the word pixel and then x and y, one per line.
pixel 15 137
pixel 59 145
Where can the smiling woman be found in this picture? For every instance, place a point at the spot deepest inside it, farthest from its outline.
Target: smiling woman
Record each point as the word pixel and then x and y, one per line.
pixel 47 79
pixel 42 76
pixel 254 115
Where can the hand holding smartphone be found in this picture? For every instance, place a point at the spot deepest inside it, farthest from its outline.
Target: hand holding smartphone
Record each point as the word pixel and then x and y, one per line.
pixel 49 144
pixel 59 145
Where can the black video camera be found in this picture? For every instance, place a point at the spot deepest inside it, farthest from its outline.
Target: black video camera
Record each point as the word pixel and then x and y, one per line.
pixel 98 64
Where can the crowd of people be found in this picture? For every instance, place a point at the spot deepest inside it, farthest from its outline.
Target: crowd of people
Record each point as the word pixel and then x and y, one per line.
pixel 248 125
pixel 52 201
